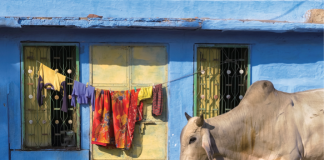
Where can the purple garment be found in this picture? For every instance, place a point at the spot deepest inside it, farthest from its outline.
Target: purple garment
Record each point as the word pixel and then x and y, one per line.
pixel 84 94
pixel 91 96
pixel 40 97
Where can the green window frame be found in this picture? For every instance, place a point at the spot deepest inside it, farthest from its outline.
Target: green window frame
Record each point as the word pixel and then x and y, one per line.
pixel 74 113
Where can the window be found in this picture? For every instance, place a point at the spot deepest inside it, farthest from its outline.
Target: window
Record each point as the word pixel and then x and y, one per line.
pixel 47 126
pixel 222 80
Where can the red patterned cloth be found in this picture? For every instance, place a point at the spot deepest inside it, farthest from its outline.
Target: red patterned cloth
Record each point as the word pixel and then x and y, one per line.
pixel 157 106
pixel 120 106
pixel 134 115
pixel 102 126
pixel 139 108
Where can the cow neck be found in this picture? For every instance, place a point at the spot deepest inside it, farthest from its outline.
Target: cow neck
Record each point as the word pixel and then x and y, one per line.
pixel 227 131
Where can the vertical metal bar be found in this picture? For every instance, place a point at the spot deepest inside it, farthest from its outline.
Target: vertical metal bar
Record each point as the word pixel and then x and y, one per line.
pixel 209 81
pixel 234 76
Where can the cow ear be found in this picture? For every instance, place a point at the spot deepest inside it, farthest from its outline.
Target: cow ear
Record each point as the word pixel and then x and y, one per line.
pixel 187 116
pixel 207 143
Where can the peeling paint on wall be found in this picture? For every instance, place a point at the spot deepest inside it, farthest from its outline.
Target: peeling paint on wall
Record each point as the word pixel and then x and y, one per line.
pixel 315 16
pixel 160 23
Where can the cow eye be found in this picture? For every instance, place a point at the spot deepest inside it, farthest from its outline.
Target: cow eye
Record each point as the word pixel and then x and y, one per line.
pixel 193 139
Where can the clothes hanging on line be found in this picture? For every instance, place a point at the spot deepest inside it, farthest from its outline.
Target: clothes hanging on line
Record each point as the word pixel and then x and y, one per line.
pixel 90 94
pixel 139 108
pixel 157 105
pixel 144 93
pixel 83 94
pixel 102 126
pixel 133 115
pixel 120 106
pixel 50 79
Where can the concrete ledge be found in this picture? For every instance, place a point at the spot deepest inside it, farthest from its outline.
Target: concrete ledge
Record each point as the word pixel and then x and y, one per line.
pixel 49 155
pixel 160 23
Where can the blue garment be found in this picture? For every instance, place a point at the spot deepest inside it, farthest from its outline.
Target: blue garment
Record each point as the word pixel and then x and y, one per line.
pixel 84 94
pixel 91 96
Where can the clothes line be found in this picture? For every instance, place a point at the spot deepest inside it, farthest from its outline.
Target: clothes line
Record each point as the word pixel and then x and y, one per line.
pixel 163 82
pixel 184 76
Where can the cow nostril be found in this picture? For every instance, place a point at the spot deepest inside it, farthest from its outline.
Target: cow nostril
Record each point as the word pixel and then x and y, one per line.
pixel 193 139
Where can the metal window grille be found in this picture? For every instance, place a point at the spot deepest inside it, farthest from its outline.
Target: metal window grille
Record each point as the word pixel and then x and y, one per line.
pixel 223 79
pixel 47 126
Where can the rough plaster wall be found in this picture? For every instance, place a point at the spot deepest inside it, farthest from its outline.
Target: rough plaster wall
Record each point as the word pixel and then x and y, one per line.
pixel 50 155
pixel 293 61
pixel 315 16
pixel 280 10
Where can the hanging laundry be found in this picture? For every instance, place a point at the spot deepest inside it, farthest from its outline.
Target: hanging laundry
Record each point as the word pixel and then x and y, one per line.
pixel 102 126
pixel 139 113
pixel 139 108
pixel 90 94
pixel 84 94
pixel 133 115
pixel 120 105
pixel 157 106
pixel 144 93
pixel 49 79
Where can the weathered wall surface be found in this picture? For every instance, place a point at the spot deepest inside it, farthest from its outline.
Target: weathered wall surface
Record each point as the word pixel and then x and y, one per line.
pixel 280 10
pixel 293 61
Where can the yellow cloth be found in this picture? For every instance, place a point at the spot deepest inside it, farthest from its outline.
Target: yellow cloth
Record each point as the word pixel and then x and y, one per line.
pixel 50 77
pixel 144 93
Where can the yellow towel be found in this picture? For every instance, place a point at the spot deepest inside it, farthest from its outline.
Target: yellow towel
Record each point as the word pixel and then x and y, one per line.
pixel 144 93
pixel 50 77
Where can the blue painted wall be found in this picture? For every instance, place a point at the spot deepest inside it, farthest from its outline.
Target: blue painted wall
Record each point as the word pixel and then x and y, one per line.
pixel 281 10
pixel 293 61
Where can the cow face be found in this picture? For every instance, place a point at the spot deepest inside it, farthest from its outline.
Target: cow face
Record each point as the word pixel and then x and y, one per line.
pixel 195 140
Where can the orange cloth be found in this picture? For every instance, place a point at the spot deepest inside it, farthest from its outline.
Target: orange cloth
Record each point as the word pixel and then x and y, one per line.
pixel 120 107
pixel 102 127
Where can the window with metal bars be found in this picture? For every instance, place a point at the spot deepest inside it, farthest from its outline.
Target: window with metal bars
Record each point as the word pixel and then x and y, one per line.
pixel 46 126
pixel 222 79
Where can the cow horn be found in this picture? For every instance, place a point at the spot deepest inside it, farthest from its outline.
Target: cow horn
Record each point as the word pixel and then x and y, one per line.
pixel 200 120
pixel 187 116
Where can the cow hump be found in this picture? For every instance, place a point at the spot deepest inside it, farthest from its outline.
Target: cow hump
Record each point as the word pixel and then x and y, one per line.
pixel 259 91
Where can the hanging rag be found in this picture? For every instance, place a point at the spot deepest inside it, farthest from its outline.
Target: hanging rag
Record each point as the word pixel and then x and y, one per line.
pixel 84 94
pixel 79 91
pixel 133 103
pixel 90 94
pixel 102 126
pixel 144 93
pixel 157 105
pixel 120 105
pixel 133 115
pixel 49 79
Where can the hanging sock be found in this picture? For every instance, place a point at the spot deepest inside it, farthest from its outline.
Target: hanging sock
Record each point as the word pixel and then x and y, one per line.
pixel 120 106
pixel 102 126
pixel 50 79
pixel 157 106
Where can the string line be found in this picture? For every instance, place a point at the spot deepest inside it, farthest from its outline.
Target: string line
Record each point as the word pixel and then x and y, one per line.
pixel 159 83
